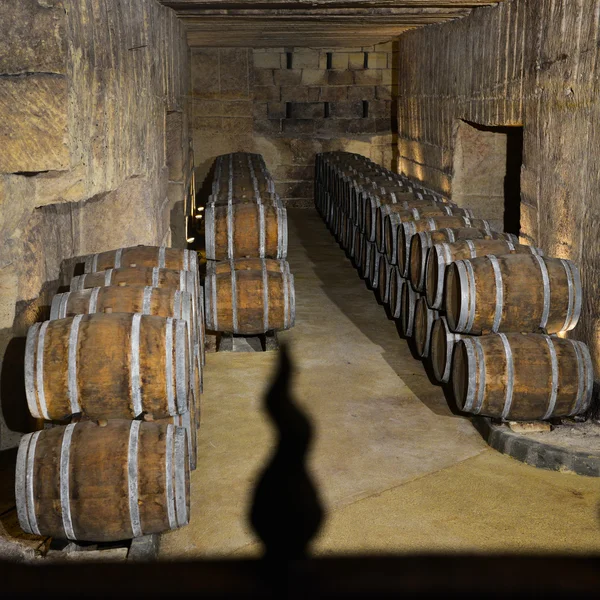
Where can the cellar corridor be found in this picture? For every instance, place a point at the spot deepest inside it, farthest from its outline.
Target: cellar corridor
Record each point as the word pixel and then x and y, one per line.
pixel 396 469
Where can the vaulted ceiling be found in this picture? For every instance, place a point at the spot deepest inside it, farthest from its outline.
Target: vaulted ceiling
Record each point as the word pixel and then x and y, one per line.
pixel 319 23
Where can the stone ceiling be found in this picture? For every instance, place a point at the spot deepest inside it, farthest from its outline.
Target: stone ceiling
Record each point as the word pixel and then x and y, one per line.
pixel 317 23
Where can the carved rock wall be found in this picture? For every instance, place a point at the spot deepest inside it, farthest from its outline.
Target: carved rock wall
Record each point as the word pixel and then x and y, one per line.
pixel 85 88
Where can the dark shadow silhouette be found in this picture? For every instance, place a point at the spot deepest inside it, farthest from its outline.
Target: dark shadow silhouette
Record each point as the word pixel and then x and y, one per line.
pixel 286 512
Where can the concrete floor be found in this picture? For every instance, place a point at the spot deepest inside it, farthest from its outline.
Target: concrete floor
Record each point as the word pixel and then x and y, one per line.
pixel 396 469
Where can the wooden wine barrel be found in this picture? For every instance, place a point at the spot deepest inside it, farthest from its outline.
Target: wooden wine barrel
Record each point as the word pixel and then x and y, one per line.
pixel 424 319
pixel 142 256
pixel 522 377
pixel 442 347
pixel 408 229
pixel 395 292
pixel 513 292
pixel 408 305
pixel 249 296
pixel 186 421
pixel 384 279
pixel 245 230
pixel 107 366
pixel 442 254
pixel 184 281
pixel 356 244
pixel 366 259
pixel 422 241
pixel 102 484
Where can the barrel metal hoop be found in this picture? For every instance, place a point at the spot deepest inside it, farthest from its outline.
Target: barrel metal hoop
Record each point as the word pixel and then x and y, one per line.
pixel 230 231
pixel 176 305
pixel 431 224
pixel 65 498
pixel 108 277
pixel 499 292
pixel 186 254
pixel 574 282
pixel 180 365
pixel 511 246
pixel 464 296
pixel 21 483
pixel 155 272
pixel 212 297
pixel 472 295
pixel 546 284
pixel 40 371
pixel 481 368
pixel 415 213
pixel 92 306
pixel 261 230
pixel 118 255
pixel 136 392
pixel 471 375
pixel 132 472
pixel 94 263
pixel 30 483
pixel 486 227
pixel 161 257
pixel 444 258
pixel 451 235
pixel 554 384
pixel 72 365
pixel 284 226
pixel 88 264
pixel 580 378
pixel 74 285
pixel 169 366
pixel 169 495
pixel 510 375
pixel 265 289
pixel 55 306
pixel 450 341
pixel 209 230
pixel 284 274
pixel 471 247
pixel 467 222
pixel 180 488
pixel 148 298
pixel 590 376
pixel 234 311
pixel 30 380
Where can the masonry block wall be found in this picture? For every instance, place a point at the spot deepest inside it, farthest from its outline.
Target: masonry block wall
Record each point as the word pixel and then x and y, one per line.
pixel 288 104
pixel 521 63
pixel 85 90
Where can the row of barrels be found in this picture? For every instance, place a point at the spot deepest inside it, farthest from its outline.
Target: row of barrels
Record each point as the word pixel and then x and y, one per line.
pixel 249 288
pixel 486 311
pixel 120 360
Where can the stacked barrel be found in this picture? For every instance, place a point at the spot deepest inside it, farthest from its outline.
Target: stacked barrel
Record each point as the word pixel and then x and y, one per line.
pixel 489 314
pixel 248 288
pixel 121 358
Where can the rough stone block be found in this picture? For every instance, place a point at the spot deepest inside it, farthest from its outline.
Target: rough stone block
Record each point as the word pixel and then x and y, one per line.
pixel 207 123
pixel 294 93
pixel 357 92
pixel 207 108
pixel 339 60
pixel 314 77
pixel 356 61
pixel 33 37
pixel 267 93
pixel 305 59
pixel 259 110
pixel 387 76
pixel 384 47
pixel 340 78
pixel 33 123
pixel 361 126
pixel 293 172
pixel 346 110
pixel 263 76
pixel 294 189
pixel 234 73
pixel 276 110
pixel 237 125
pixel 287 76
pixel 307 110
pixel 314 93
pixel 334 94
pixel 383 125
pixel 378 60
pixel 267 60
pixel 384 92
pixel 298 126
pixel 369 77
pixel 174 146
pixel 267 126
pixel 380 109
pixel 239 108
pixel 205 72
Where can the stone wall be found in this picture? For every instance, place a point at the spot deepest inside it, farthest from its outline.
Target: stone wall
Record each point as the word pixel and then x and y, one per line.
pixel 85 90
pixel 248 99
pixel 521 63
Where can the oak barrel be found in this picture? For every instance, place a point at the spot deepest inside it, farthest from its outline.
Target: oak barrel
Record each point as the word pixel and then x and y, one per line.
pixel 245 230
pixel 384 278
pixel 424 319
pixel 374 267
pixel 188 422
pixel 408 229
pixel 441 255
pixel 249 296
pixel 101 484
pixel 110 366
pixel 513 292
pixel 518 376
pixel 442 347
